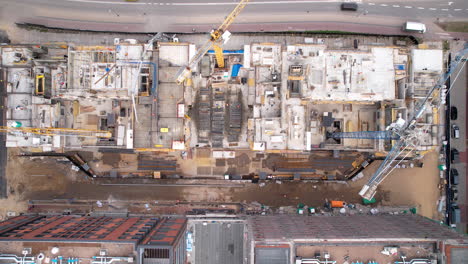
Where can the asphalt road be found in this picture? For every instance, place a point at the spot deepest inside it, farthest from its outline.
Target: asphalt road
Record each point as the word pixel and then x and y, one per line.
pixel 188 15
pixel 458 99
pixel 3 150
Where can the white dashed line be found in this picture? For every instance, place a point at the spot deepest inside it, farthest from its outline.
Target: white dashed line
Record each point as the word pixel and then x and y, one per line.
pixel 395 5
pixel 420 7
pixel 445 9
pixel 432 8
pixel 383 5
pixel 445 37
pixel 408 7
pixel 457 9
pixel 371 4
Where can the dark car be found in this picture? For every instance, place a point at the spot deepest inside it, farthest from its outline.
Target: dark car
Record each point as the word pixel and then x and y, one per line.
pixel 455 156
pixel 351 6
pixel 454 178
pixel 456 214
pixel 453 113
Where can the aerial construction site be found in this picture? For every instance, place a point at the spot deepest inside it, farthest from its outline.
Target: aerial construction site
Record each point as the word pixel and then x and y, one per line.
pixel 231 147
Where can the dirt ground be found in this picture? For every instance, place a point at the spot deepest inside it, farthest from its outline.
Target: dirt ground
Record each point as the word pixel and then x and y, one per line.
pixel 411 186
pixel 52 178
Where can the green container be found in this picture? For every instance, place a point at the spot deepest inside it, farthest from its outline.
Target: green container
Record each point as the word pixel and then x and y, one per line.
pixel 16 124
pixel 371 201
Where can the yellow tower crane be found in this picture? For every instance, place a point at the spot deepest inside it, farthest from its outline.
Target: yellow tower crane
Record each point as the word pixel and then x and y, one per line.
pixel 53 131
pixel 218 37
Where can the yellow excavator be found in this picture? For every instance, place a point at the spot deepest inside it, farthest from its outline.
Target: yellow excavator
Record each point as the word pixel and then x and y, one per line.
pixel 218 37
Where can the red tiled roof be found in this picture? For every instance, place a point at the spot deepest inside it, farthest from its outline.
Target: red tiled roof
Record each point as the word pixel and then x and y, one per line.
pixel 72 228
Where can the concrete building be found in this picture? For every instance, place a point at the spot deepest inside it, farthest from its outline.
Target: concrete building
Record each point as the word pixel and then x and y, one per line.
pixel 293 239
pixel 268 97
pixel 353 238
pixel 278 98
pixel 85 239
pixel 76 94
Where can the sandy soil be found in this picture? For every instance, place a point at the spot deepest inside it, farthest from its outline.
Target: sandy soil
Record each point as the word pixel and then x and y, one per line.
pixel 410 186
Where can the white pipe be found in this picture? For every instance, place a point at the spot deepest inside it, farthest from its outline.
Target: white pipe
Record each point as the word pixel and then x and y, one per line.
pixel 316 261
pixel 103 260
pixel 310 261
pixel 16 259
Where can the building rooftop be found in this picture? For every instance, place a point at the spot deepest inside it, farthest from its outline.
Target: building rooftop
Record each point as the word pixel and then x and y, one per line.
pixel 151 231
pixel 167 232
pixel 63 228
pixel 219 242
pixel 427 60
pixel 401 227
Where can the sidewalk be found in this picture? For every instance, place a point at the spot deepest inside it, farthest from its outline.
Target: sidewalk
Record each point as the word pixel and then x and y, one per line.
pixel 358 22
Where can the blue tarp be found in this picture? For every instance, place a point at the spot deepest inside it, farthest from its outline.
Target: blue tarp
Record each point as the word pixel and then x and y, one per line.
pixel 399 67
pixel 235 70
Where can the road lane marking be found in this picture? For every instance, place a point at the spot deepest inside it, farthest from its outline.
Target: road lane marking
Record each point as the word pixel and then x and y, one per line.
pixel 395 5
pixel 371 4
pixel 408 7
pixel 107 2
pixel 208 3
pixel 260 3
pixel 458 9
pixel 383 5
pixel 420 7
pixel 445 9
pixel 432 8
pixel 442 33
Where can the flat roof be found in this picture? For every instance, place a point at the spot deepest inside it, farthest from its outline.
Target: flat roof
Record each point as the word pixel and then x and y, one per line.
pixel 397 227
pixel 219 242
pixel 427 60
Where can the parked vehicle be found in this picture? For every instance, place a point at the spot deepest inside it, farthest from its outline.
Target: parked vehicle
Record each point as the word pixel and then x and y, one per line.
pixel 455 156
pixel 453 194
pixel 455 131
pixel 454 178
pixel 456 214
pixel 350 6
pixel 453 113
pixel 414 27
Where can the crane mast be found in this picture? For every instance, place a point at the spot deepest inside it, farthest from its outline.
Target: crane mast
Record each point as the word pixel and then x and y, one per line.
pixel 53 131
pixel 216 41
pixel 408 138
